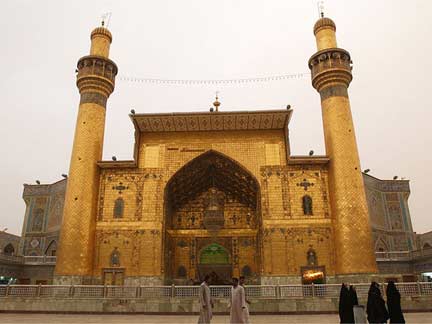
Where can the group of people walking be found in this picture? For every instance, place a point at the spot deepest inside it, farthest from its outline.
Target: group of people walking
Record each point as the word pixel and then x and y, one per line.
pixel 376 310
pixel 349 309
pixel 239 310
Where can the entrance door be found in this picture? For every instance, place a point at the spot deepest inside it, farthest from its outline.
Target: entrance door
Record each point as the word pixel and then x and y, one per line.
pixel 220 274
pixel 113 277
pixel 215 261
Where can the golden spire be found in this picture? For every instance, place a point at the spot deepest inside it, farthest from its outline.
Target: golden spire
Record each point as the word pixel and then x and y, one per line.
pixel 217 103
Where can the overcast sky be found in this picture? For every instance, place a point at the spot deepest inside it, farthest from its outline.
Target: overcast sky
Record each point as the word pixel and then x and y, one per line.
pixel 41 41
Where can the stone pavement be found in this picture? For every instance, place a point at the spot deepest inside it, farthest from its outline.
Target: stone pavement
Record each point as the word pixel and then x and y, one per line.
pixel 220 319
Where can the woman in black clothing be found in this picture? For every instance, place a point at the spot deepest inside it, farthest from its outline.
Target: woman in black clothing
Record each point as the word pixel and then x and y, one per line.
pixel 393 304
pixel 376 310
pixel 353 295
pixel 346 313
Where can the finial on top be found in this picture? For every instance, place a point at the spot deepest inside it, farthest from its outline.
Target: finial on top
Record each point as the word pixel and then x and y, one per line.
pixel 103 23
pixel 217 103
pixel 320 5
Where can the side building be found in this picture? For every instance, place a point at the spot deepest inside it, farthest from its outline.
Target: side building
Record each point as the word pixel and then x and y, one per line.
pixel 31 258
pixel 393 234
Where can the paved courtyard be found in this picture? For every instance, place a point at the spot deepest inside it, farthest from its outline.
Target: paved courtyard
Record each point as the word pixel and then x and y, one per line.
pixel 256 319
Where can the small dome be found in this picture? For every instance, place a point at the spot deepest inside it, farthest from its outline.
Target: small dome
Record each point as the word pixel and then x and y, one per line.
pixel 101 31
pixel 324 23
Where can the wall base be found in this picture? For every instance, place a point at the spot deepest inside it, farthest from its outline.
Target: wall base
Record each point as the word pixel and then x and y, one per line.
pixel 187 306
pixel 143 281
pixel 72 280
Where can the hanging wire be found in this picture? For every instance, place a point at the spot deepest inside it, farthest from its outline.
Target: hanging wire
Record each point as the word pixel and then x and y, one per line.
pixel 213 82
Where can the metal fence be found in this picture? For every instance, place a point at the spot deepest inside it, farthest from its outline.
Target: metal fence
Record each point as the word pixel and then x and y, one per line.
pixel 191 292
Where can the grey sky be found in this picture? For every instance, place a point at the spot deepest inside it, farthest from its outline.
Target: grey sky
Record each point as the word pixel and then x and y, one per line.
pixel 41 42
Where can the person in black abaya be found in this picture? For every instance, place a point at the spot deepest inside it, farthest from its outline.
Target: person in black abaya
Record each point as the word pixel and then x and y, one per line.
pixel 346 314
pixel 376 310
pixel 393 304
pixel 353 295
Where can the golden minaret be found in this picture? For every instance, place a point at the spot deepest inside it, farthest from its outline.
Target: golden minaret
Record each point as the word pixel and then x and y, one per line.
pixel 331 76
pixel 95 81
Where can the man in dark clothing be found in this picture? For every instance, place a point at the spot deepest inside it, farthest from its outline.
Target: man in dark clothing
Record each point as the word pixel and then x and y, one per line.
pixel 376 310
pixel 393 304
pixel 346 314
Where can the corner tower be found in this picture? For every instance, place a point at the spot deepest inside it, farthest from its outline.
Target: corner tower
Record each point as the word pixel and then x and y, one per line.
pixel 331 76
pixel 95 81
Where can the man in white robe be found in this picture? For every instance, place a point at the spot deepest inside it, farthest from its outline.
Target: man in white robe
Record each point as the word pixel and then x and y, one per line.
pixel 238 303
pixel 206 302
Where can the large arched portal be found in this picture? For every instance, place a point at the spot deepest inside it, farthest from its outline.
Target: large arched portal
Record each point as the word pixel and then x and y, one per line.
pixel 212 221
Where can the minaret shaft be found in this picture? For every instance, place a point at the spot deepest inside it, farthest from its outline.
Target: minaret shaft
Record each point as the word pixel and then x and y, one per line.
pixel 95 81
pixel 331 76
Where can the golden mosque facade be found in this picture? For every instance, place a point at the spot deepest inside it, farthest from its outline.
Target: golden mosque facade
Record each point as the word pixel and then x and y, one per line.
pixel 218 192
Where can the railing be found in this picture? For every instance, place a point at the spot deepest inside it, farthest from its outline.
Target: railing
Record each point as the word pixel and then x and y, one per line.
pixel 43 259
pixel 403 255
pixel 11 258
pixel 422 253
pixel 393 256
pixel 380 256
pixel 29 259
pixel 409 289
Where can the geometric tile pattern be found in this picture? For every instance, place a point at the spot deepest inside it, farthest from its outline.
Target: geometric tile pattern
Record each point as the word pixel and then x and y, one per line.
pixel 208 121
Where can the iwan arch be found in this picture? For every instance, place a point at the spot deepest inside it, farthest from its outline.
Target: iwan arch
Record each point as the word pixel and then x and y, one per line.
pixel 215 191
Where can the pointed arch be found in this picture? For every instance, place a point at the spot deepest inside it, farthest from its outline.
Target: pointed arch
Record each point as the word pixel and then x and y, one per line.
pixel 115 258
pixel 220 162
pixel 381 245
pixel 311 257
pixel 217 180
pixel 51 250
pixel 307 205
pixel 118 208
pixel 9 249
pixel 37 223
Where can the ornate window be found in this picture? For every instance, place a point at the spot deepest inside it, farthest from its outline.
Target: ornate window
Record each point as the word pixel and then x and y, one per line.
pixel 246 271
pixel 37 220
pixel 311 257
pixel 115 258
pixel 118 208
pixel 181 272
pixel 9 249
pixel 307 205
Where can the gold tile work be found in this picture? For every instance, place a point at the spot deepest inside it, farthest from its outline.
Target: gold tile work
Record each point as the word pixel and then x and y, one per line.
pixel 95 81
pixel 75 256
pixel 285 249
pixel 151 156
pixel 272 154
pixel 273 212
pixel 348 200
pixel 139 250
pixel 314 185
pixel 246 147
pixel 331 75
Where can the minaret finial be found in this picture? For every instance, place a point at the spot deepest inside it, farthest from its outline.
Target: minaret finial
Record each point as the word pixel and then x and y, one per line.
pixel 320 5
pixel 217 103
pixel 106 17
